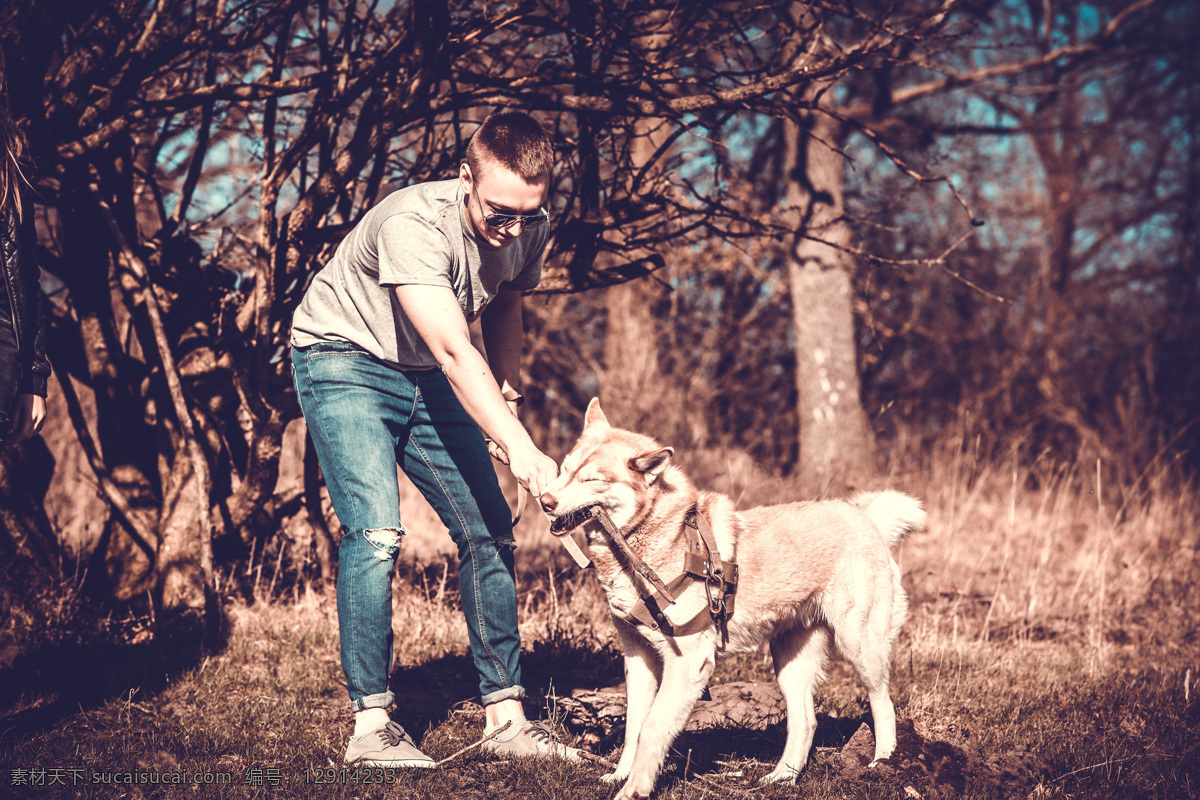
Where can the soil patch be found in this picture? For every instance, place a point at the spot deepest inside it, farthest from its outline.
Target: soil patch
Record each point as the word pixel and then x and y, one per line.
pixel 919 767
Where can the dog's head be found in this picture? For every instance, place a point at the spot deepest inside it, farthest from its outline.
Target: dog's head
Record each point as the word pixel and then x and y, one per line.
pixel 613 468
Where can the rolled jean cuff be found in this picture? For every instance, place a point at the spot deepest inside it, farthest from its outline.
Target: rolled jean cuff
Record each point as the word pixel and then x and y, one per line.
pixel 373 701
pixel 511 693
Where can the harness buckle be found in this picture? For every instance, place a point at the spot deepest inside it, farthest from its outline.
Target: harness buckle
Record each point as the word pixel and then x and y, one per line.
pixel 714 578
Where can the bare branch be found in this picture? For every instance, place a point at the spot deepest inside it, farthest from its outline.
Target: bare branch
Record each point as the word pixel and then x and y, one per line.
pixel 142 536
pixel 199 464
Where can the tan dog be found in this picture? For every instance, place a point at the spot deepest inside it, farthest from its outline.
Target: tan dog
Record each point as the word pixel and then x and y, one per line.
pixel 811 575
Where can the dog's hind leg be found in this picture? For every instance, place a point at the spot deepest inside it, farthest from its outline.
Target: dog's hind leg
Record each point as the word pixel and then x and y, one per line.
pixel 884 715
pixel 800 655
pixel 868 646
pixel 643 671
pixel 885 623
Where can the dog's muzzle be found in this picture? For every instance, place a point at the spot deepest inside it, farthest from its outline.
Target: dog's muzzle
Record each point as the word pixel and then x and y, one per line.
pixel 565 523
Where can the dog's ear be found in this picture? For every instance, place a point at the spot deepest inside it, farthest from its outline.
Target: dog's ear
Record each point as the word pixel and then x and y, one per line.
pixel 593 415
pixel 651 464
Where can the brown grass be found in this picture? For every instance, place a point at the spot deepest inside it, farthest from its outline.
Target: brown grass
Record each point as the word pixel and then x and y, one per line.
pixel 1052 613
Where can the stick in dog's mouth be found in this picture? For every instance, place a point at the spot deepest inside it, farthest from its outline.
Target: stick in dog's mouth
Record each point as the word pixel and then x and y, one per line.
pixel 571 520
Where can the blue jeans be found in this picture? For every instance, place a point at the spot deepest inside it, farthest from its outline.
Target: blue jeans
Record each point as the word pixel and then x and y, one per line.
pixel 366 417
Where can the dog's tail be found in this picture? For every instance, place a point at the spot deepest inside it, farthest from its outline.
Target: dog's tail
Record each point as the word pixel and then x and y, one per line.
pixel 894 513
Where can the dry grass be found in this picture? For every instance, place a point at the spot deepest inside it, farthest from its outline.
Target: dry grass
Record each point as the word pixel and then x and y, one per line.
pixel 1051 613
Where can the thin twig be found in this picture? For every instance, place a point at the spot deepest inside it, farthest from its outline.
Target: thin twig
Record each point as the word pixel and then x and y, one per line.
pixel 723 787
pixel 595 759
pixel 485 739
pixel 710 781
pixel 939 261
pixel 1101 764
pixel 137 268
pixel 142 535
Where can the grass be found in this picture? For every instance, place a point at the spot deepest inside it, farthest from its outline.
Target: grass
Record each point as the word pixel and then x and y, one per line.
pixel 1053 617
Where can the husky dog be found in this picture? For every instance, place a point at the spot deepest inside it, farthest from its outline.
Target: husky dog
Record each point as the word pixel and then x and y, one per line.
pixel 809 575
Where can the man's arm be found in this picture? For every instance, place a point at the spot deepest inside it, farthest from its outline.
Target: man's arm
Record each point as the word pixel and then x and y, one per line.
pixel 503 337
pixel 435 314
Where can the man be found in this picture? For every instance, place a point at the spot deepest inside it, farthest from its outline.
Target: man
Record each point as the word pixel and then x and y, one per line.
pixel 386 374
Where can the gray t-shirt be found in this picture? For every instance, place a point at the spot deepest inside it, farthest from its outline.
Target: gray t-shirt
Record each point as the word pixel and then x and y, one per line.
pixel 417 235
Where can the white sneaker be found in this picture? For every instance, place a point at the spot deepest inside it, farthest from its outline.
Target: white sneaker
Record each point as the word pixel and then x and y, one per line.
pixel 531 739
pixel 388 746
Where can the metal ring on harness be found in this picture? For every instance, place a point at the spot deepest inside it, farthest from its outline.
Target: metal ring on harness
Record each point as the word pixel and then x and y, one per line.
pixel 712 571
pixel 715 579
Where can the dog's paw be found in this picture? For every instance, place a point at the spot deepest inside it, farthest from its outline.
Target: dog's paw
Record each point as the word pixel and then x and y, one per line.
pixel 880 756
pixel 630 791
pixel 781 774
pixel 620 773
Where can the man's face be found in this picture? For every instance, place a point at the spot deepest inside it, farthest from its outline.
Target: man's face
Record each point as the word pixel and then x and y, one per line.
pixel 500 191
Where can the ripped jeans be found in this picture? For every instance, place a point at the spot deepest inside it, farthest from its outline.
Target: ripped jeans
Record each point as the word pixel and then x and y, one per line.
pixel 365 418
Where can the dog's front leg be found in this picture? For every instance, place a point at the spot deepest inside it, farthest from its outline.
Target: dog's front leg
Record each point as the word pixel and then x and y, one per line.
pixel 643 671
pixel 684 677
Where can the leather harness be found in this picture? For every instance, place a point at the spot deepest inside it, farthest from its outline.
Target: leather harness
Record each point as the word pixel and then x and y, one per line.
pixel 701 562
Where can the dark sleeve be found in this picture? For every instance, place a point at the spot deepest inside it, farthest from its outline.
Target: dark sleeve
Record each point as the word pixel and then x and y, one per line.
pixel 35 366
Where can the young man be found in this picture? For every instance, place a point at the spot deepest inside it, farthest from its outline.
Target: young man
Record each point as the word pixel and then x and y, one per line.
pixel 386 375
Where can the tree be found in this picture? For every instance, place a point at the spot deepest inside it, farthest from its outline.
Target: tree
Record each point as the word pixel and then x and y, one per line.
pixel 200 161
pixel 891 108
pixel 1068 327
pixel 836 445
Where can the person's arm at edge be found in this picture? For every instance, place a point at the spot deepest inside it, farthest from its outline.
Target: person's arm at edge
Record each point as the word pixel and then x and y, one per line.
pixel 34 368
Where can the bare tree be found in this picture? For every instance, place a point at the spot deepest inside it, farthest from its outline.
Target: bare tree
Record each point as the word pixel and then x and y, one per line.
pixel 1062 321
pixel 202 159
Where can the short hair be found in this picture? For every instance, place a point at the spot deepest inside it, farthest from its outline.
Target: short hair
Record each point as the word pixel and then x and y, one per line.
pixel 516 141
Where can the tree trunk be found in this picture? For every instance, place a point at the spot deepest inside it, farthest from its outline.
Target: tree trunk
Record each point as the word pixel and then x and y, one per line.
pixel 182 578
pixel 836 443
pixel 631 355
pixel 631 341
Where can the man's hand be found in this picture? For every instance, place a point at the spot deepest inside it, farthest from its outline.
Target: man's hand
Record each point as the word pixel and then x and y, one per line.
pixel 28 417
pixel 495 450
pixel 533 469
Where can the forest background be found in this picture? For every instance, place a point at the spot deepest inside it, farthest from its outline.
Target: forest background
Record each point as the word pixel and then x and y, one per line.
pixel 814 246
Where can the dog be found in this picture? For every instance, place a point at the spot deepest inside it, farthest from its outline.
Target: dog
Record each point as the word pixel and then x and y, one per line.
pixel 810 575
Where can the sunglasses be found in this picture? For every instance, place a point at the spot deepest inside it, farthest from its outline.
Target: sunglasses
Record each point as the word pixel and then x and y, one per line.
pixel 504 221
pixel 508 220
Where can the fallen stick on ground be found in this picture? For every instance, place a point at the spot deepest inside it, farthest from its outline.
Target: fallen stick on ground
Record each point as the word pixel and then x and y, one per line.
pixel 711 782
pixel 595 759
pixel 702 778
pixel 725 788
pixel 487 738
pixel 590 757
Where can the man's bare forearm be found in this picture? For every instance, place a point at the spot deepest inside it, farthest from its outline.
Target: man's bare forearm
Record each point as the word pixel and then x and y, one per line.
pixel 503 338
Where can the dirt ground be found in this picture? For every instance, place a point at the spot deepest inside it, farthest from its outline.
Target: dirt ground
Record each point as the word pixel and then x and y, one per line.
pixel 919 767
